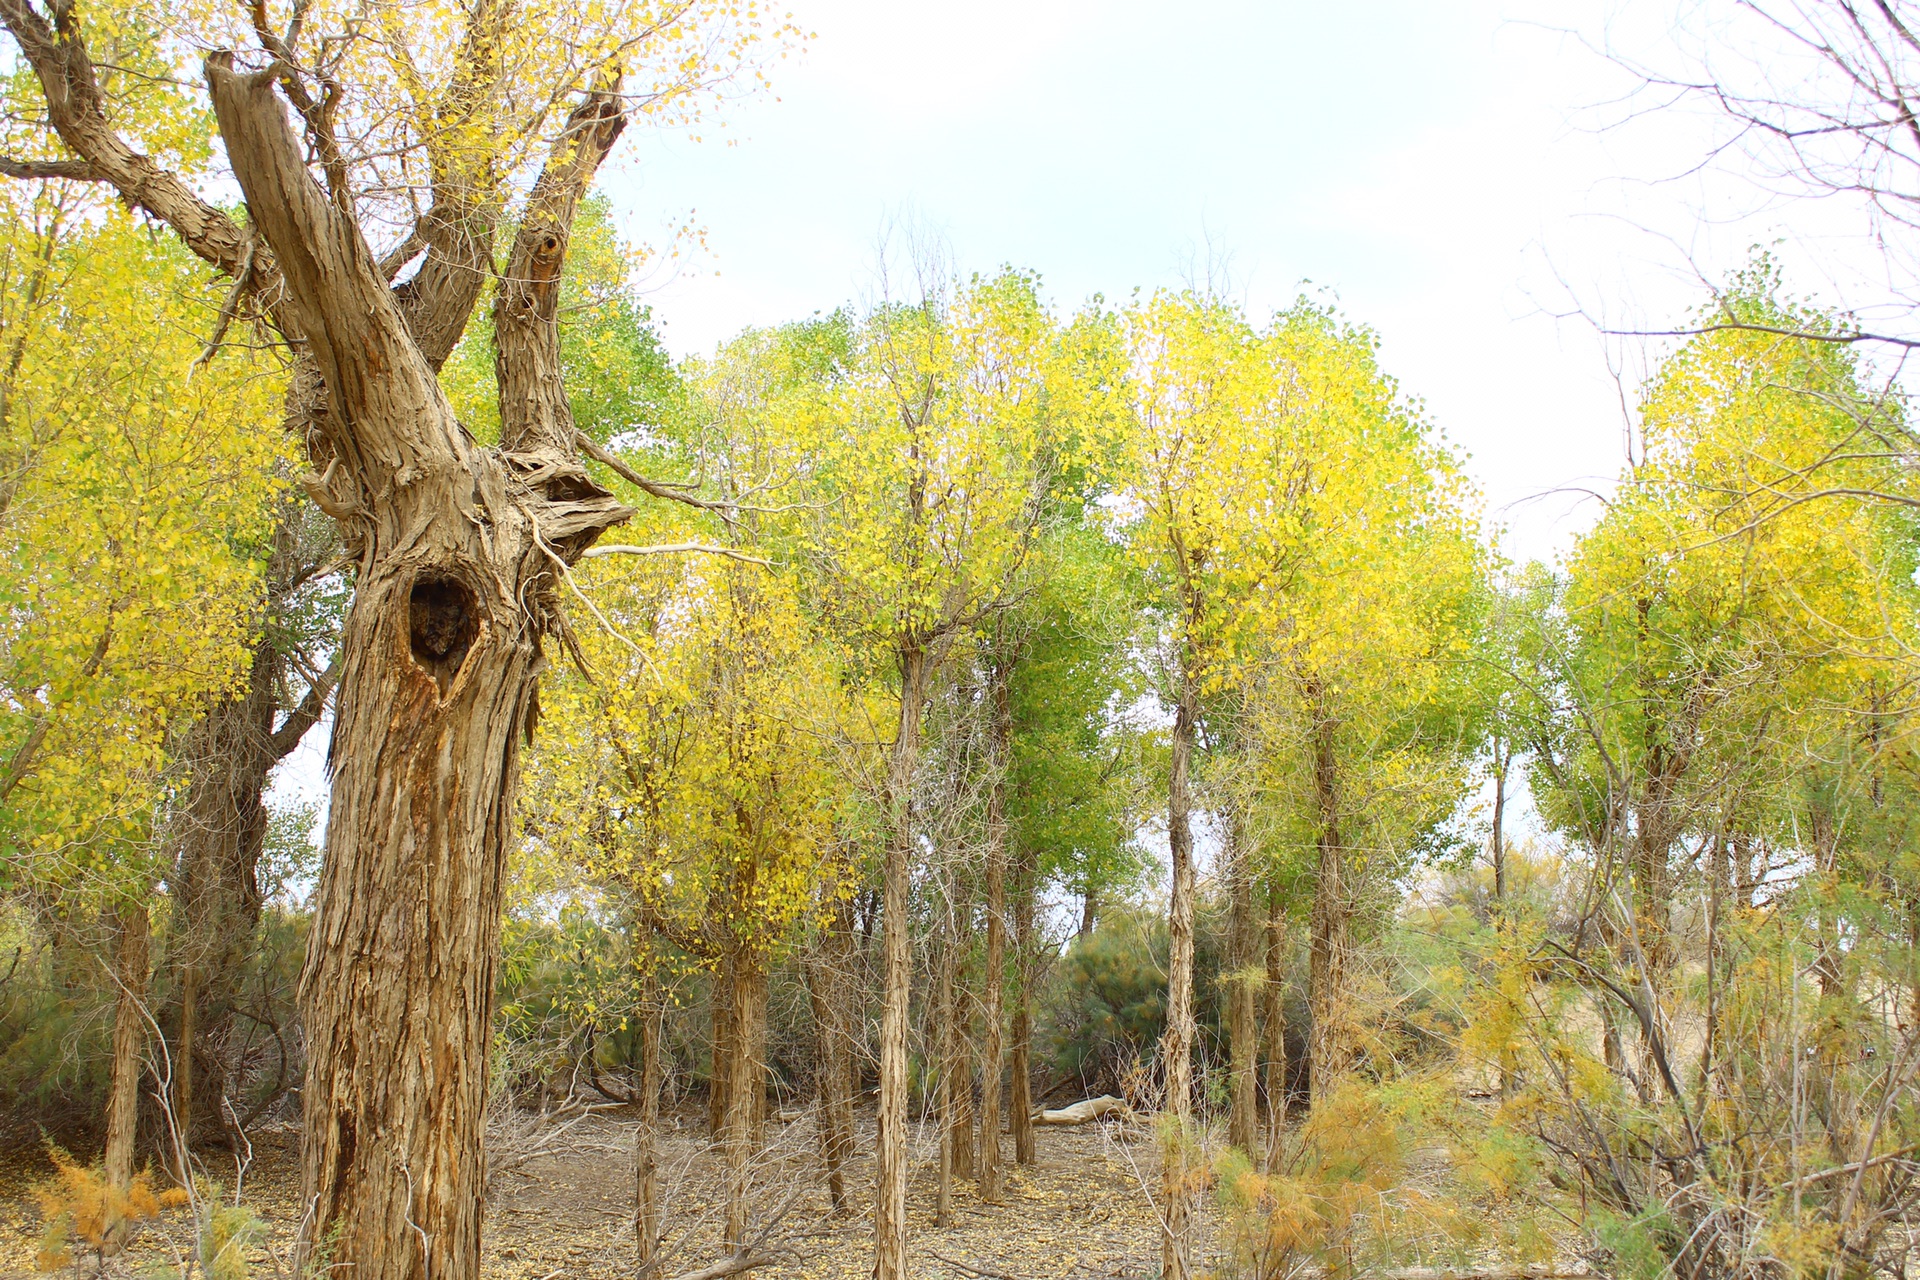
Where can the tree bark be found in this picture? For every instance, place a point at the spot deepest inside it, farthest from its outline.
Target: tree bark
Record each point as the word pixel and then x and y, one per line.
pixel 1020 1059
pixel 1176 1047
pixel 994 982
pixel 959 1066
pixel 1243 1030
pixel 1276 1024
pixel 1499 837
pixel 220 831
pixel 890 1190
pixel 720 1054
pixel 459 549
pixel 834 1057
pixel 744 1090
pixel 646 1139
pixel 941 1053
pixel 130 927
pixel 1328 1043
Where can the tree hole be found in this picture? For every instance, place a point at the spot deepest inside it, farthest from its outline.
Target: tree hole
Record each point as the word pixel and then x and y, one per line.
pixel 443 621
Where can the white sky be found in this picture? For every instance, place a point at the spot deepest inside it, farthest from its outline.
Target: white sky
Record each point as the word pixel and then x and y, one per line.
pixel 1441 167
pixel 1429 163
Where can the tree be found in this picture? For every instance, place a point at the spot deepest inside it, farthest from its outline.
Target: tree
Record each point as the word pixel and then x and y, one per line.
pixel 461 550
pixel 933 457
pixel 133 514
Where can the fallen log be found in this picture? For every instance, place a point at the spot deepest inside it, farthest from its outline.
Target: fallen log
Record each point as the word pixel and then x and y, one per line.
pixel 1085 1112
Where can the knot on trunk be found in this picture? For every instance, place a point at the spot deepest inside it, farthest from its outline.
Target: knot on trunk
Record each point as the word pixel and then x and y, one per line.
pixel 443 620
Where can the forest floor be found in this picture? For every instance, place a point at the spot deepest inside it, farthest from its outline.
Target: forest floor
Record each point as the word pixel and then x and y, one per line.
pixel 1081 1212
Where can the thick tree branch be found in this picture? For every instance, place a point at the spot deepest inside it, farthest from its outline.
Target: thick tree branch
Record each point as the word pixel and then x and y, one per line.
pixel 534 414
pixel 72 170
pixel 334 293
pixel 77 109
pixel 306 715
pixel 457 230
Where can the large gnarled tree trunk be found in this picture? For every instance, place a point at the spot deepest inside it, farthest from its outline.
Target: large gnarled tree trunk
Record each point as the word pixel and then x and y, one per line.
pixel 459 551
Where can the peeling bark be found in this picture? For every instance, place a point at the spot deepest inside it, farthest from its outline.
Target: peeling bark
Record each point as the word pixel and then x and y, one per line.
pixel 130 967
pixel 1329 1048
pixel 890 1189
pixel 1243 980
pixel 992 1066
pixel 1176 1047
pixel 459 551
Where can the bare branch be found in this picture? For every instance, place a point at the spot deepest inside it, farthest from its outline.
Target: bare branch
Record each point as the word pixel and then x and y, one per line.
pixel 669 548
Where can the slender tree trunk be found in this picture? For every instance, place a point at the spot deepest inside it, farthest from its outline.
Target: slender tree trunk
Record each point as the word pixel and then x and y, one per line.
pixel 1243 1031
pixel 130 968
pixel 220 831
pixel 720 1074
pixel 1020 1059
pixel 1089 913
pixel 995 980
pixel 646 1139
pixel 1176 1048
pixel 959 1067
pixel 1276 1023
pixel 758 1078
pixel 1329 1047
pixel 890 1190
pixel 834 1081
pixel 1499 837
pixel 941 1052
pixel 458 550
pixel 743 1083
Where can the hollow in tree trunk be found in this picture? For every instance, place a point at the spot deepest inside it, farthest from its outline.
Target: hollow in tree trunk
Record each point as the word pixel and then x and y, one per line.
pixel 460 550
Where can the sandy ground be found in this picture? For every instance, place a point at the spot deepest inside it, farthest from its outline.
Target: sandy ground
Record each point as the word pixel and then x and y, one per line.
pixel 1080 1211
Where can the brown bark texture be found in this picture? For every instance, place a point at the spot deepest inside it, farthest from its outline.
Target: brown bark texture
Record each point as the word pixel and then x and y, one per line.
pixel 833 1085
pixel 1328 1042
pixel 220 830
pixel 942 1052
pixel 1244 977
pixel 460 550
pixel 1020 1056
pixel 745 1091
pixel 1275 1019
pixel 130 968
pixel 890 1189
pixel 1176 1047
pixel 993 984
pixel 646 1137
